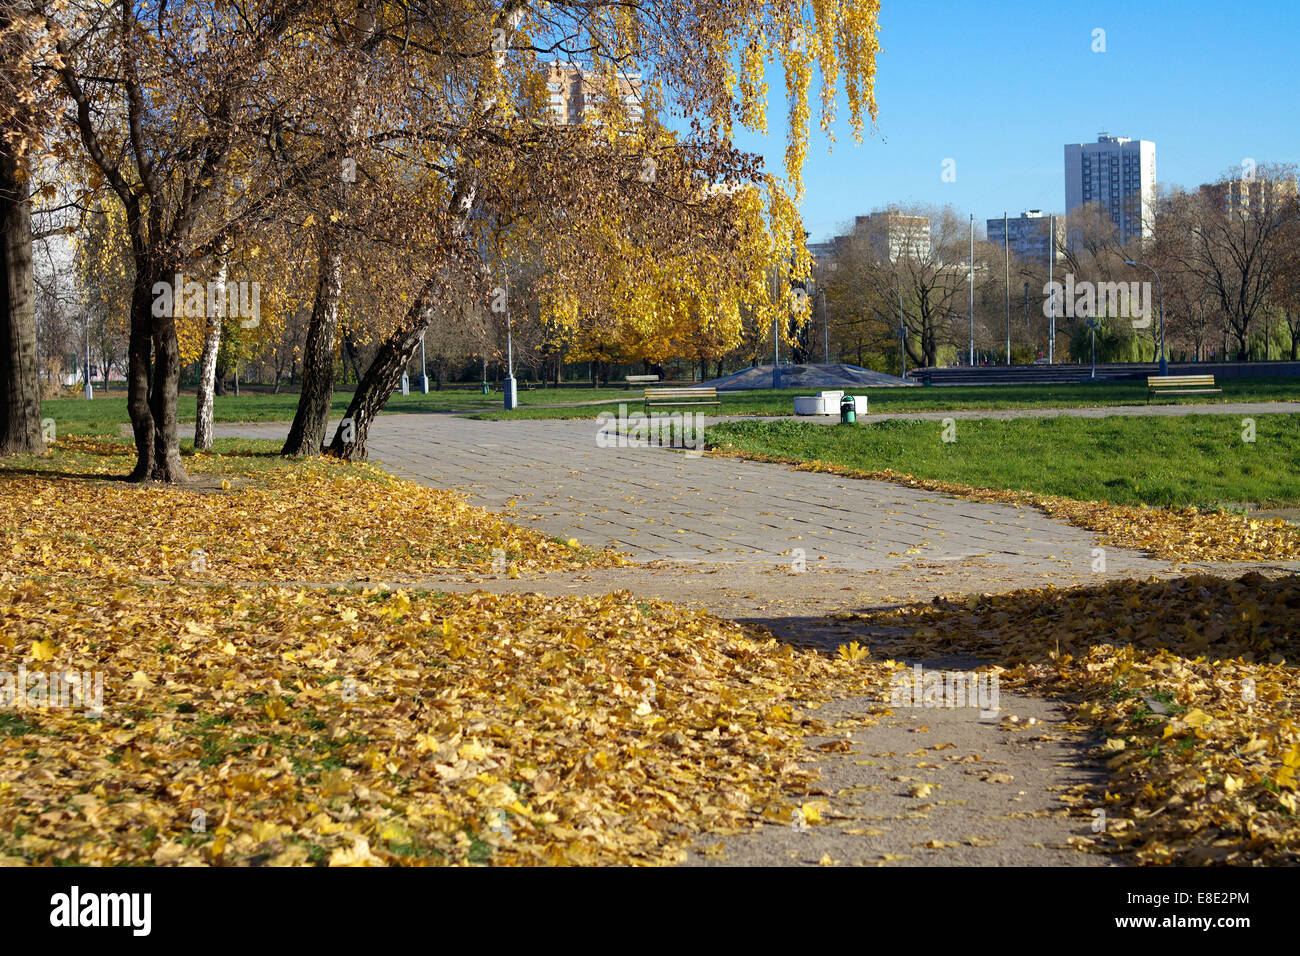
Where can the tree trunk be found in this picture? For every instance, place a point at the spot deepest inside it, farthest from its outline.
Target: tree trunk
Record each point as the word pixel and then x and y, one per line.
pixel 208 369
pixel 308 431
pixel 20 426
pixel 380 380
pixel 350 356
pixel 139 358
pixel 163 393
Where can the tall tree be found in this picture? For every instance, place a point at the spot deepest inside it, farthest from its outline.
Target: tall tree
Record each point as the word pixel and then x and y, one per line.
pixel 476 136
pixel 1286 293
pixel 911 261
pixel 1234 248
pixel 356 44
pixel 162 96
pixel 212 323
pixel 26 45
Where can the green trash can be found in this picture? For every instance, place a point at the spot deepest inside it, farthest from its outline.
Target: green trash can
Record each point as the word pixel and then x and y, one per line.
pixel 848 410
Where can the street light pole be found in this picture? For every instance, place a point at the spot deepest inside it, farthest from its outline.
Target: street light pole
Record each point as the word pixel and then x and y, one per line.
pixel 972 290
pixel 1051 261
pixel 511 396
pixel 90 392
pixel 826 335
pixel 1164 365
pixel 1092 327
pixel 1006 252
pixel 424 369
pixel 902 332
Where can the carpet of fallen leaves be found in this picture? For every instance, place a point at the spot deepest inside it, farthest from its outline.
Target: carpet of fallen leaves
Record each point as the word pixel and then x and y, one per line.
pixel 318 521
pixel 381 727
pixel 1184 535
pixel 251 721
pixel 1192 684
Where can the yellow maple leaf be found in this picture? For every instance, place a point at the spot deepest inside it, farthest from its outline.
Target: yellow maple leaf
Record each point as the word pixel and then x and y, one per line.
pixel 852 651
pixel 358 855
pixel 812 811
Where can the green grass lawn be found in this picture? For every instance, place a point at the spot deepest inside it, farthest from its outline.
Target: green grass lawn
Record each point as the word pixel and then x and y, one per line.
pixel 935 398
pixel 103 415
pixel 1198 460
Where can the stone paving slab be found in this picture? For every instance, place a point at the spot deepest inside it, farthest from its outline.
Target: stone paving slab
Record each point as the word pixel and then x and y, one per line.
pixel 663 504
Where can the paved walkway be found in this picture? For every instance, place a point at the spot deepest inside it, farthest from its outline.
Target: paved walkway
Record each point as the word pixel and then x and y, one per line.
pixel 659 504
pixel 1101 411
pixel 1000 796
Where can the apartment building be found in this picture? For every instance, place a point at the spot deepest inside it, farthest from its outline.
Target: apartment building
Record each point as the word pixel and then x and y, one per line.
pixel 894 235
pixel 1028 235
pixel 576 94
pixel 1118 174
pixel 1249 197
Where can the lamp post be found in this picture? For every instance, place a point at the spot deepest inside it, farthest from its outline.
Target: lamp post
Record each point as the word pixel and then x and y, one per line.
pixel 508 386
pixel 1051 260
pixel 776 354
pixel 90 392
pixel 902 332
pixel 826 334
pixel 1092 327
pixel 1006 252
pixel 424 369
pixel 972 290
pixel 1164 365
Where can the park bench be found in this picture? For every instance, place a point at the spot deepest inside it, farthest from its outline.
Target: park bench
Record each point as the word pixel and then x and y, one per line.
pixel 640 380
pixel 1181 385
pixel 679 397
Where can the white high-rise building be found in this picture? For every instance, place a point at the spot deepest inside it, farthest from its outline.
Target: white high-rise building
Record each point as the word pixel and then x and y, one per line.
pixel 1117 173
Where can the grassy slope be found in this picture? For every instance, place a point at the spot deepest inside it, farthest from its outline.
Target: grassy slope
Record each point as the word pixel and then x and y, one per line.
pixel 921 399
pixel 75 416
pixel 1196 461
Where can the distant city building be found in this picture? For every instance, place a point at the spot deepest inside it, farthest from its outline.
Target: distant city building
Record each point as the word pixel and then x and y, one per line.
pixel 1027 235
pixel 822 252
pixel 576 94
pixel 1249 197
pixel 1118 174
pixel 894 235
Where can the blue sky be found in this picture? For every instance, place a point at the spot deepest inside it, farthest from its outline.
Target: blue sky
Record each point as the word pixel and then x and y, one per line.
pixel 1000 86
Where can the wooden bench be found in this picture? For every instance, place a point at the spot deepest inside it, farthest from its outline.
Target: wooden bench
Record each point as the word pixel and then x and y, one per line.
pixel 640 380
pixel 1181 385
pixel 679 397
